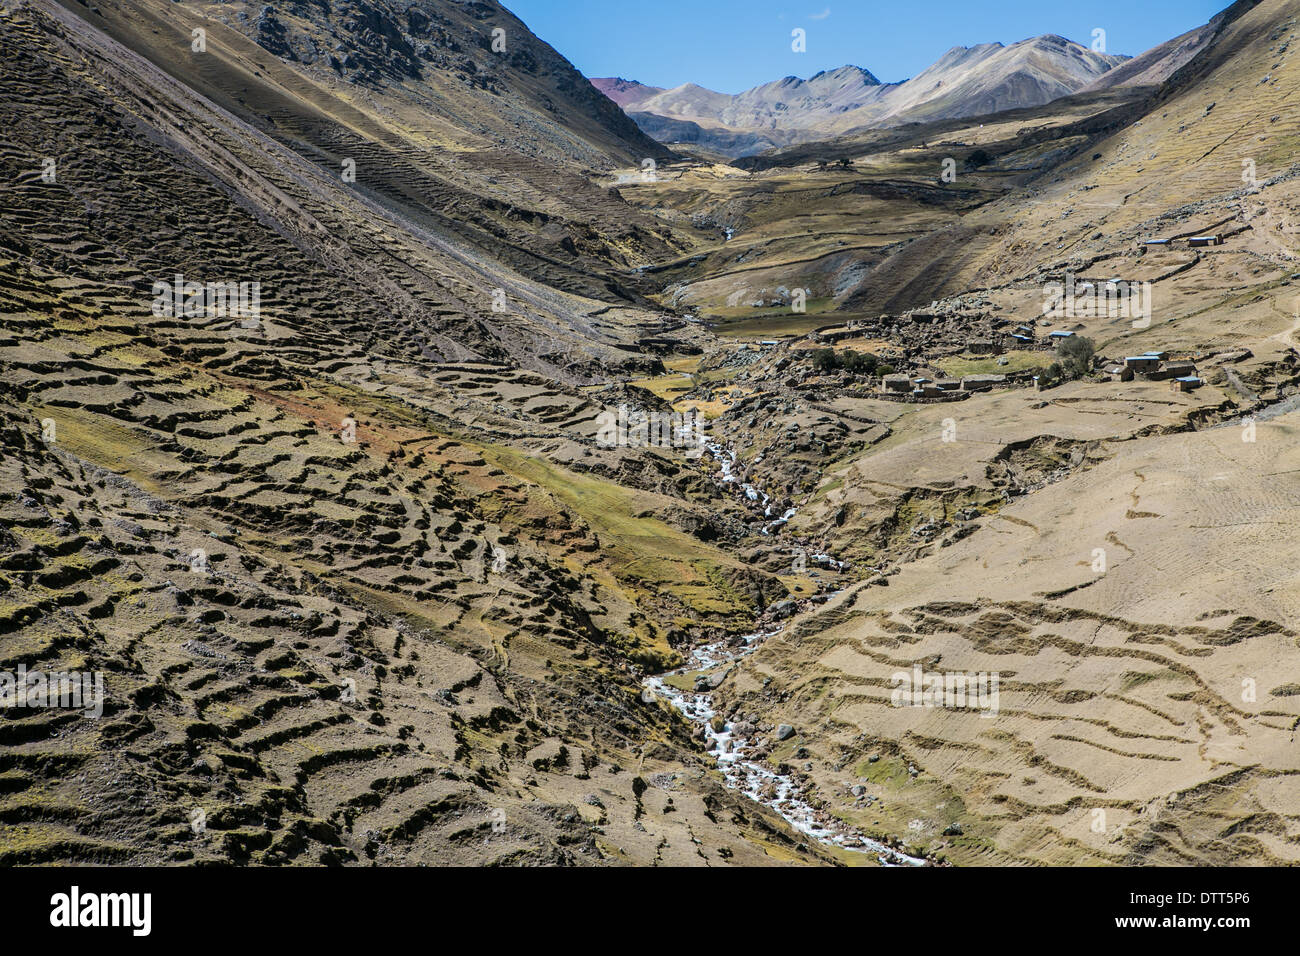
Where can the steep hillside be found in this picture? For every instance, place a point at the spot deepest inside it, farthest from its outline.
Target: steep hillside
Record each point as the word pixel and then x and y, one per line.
pixel 333 163
pixel 1157 64
pixel 360 586
pixel 471 72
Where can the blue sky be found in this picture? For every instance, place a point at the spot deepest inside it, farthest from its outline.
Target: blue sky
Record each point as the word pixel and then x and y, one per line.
pixel 731 45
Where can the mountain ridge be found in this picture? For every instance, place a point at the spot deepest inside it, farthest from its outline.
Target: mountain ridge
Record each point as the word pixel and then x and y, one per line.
pixel 964 81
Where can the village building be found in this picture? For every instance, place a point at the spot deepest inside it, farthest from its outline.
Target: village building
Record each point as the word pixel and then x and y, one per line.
pixel 1142 363
pixel 981 383
pixel 896 383
pixel 1186 383
pixel 835 333
pixel 1118 372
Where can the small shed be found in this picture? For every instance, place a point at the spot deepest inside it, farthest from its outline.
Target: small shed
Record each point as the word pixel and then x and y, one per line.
pixel 1186 383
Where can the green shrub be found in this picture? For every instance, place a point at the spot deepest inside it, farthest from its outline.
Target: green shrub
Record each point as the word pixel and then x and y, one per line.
pixel 1075 355
pixel 823 360
pixel 859 363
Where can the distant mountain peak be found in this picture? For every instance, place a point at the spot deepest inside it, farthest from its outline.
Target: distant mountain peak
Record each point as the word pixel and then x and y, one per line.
pixel 965 81
pixel 848 72
pixel 626 93
pixel 1054 39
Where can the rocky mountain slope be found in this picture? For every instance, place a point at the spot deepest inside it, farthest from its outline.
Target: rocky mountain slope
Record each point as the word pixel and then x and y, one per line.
pixel 1157 64
pixel 486 247
pixel 470 71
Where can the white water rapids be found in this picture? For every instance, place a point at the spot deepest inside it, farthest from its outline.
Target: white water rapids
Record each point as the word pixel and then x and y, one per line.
pixel 733 752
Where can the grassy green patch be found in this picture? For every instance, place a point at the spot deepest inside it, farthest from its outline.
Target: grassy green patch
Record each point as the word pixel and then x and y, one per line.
pixel 1017 361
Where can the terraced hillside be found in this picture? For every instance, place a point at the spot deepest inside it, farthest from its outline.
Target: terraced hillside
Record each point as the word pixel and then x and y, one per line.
pixel 368 583
pixel 1146 710
pixel 1116 551
pixel 359 593
pixel 323 652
